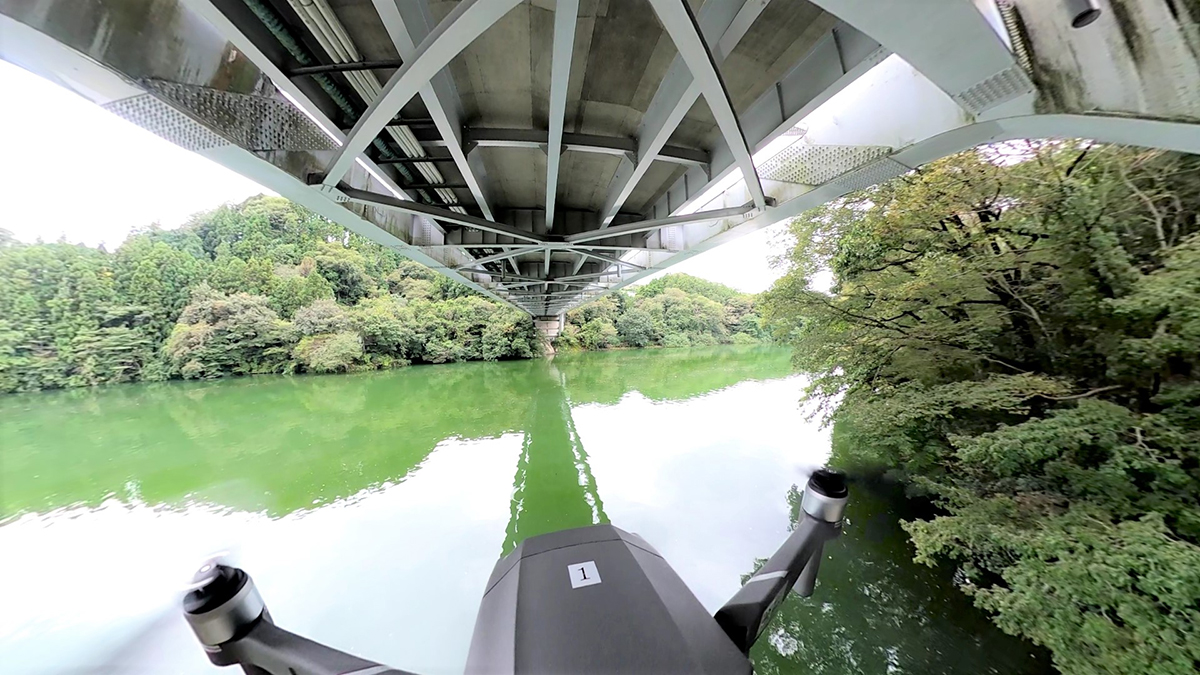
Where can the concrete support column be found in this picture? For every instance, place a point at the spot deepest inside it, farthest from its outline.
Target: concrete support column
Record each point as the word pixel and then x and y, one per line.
pixel 548 327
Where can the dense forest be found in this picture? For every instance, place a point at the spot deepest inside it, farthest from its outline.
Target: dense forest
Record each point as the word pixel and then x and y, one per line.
pixel 674 310
pixel 260 287
pixel 1016 332
pixel 268 287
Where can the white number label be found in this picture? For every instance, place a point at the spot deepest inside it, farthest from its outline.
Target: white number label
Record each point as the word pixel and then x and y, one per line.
pixel 583 574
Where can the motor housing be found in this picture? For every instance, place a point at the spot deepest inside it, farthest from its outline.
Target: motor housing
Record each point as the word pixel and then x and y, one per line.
pixel 595 600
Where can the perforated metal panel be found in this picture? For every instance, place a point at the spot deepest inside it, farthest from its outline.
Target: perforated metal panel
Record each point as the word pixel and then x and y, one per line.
pixel 160 119
pixel 999 88
pixel 252 122
pixel 872 174
pixel 818 164
pixel 668 237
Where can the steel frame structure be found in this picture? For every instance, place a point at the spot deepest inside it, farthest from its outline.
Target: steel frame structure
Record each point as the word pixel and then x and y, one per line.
pixel 951 75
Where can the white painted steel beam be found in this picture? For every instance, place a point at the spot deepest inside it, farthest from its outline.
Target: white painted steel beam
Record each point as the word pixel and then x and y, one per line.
pixel 503 276
pixel 612 260
pixel 676 17
pixel 548 246
pixel 647 225
pixel 837 60
pixel 951 43
pixel 419 209
pixel 408 22
pixel 724 23
pixel 467 21
pixel 565 14
pixel 536 139
pixel 505 255
pixel 231 32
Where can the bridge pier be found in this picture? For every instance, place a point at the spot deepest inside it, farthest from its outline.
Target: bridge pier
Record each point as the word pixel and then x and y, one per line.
pixel 548 328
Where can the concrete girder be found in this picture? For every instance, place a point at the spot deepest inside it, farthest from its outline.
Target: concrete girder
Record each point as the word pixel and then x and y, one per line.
pixel 467 21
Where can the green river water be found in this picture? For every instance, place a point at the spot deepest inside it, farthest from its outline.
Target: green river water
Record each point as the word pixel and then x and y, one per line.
pixel 370 509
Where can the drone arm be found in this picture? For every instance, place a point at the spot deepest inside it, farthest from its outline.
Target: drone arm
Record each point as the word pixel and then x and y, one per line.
pixel 795 563
pixel 231 621
pixel 275 651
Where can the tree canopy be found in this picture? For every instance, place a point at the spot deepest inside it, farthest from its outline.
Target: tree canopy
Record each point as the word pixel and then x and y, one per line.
pixel 675 310
pixel 259 287
pixel 1016 331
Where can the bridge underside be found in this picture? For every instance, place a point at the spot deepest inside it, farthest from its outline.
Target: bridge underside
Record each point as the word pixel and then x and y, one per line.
pixel 545 152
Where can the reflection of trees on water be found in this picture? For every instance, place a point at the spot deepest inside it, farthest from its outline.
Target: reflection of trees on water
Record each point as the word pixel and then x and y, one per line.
pixel 667 374
pixel 875 611
pixel 279 444
pixel 266 443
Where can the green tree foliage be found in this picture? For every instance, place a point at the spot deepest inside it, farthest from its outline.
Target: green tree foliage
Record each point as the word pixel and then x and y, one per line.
pixel 330 352
pixel 345 270
pixel 153 274
pixel 259 287
pixel 690 285
pixel 1016 330
pixel 237 334
pixel 675 310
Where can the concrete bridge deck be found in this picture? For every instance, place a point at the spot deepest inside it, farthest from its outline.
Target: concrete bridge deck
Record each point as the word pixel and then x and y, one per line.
pixel 547 151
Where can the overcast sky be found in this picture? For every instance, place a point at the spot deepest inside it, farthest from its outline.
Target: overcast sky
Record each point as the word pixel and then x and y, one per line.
pixel 69 169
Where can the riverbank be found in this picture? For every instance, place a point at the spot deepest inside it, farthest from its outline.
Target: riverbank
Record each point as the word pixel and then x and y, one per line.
pixel 266 287
pixel 1012 330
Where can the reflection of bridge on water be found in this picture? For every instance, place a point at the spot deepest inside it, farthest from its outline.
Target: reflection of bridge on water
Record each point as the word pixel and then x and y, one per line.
pixel 543 156
pixel 554 488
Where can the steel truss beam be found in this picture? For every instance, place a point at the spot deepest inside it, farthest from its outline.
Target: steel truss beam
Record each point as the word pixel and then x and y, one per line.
pixel 837 59
pixel 408 23
pixel 647 225
pixel 676 17
pixel 571 142
pixel 416 208
pixel 504 276
pixel 467 21
pixel 550 246
pixel 237 37
pixel 498 256
pixel 566 12
pixel 610 259
pixel 723 23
